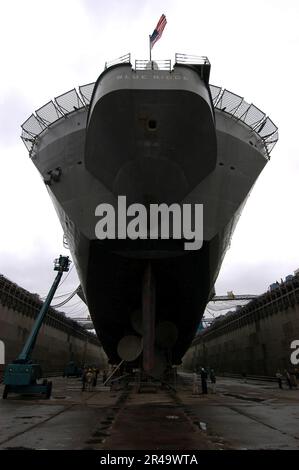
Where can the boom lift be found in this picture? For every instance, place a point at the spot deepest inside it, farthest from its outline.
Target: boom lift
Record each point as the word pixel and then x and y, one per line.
pixel 22 374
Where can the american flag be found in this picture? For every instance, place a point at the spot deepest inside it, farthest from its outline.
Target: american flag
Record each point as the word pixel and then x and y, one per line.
pixel 158 31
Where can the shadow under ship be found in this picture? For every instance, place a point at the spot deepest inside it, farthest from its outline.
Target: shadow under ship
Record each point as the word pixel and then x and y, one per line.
pixel 156 134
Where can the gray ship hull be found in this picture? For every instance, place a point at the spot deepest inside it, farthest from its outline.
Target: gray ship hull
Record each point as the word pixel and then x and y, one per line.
pixel 154 137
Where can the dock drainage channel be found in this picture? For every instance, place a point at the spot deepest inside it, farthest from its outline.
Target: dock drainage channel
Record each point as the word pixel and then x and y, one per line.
pixel 241 397
pixel 102 431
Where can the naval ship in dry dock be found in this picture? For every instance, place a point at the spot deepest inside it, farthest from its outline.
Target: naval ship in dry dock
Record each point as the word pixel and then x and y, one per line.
pixel 155 133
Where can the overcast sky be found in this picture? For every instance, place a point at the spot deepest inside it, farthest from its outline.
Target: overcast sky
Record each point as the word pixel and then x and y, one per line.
pixel 48 47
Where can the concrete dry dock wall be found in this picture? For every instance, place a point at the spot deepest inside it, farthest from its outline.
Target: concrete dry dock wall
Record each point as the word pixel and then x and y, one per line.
pixel 255 340
pixel 60 339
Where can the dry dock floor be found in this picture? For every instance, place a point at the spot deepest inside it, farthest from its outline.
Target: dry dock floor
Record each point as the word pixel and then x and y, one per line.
pixel 253 415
